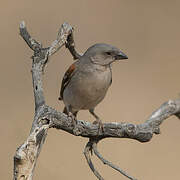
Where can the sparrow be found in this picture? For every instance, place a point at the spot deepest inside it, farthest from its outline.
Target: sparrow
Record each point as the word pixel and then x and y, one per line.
pixel 87 80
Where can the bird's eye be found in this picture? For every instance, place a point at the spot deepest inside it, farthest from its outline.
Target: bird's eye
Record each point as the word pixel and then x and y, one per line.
pixel 108 53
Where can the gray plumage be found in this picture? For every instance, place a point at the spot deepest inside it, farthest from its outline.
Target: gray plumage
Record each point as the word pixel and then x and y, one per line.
pixel 86 82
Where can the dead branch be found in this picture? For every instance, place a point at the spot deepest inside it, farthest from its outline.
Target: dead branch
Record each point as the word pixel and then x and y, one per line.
pixel 26 155
pixel 70 44
pixel 96 152
pixel 46 117
pixel 87 151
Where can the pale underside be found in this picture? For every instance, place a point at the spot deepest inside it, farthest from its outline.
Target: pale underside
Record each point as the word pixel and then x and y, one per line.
pixel 89 89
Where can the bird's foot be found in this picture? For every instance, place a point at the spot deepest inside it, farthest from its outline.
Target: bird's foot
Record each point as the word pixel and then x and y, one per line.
pixel 100 125
pixel 73 117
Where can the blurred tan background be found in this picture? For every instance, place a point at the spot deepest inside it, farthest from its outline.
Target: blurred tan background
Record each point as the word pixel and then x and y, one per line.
pixel 147 31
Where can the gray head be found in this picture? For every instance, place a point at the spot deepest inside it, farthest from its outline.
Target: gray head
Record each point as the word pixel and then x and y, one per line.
pixel 104 54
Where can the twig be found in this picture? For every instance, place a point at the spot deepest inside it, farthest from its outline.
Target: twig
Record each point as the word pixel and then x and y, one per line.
pixel 94 146
pixel 70 44
pixel 88 158
pixel 26 36
pixel 64 32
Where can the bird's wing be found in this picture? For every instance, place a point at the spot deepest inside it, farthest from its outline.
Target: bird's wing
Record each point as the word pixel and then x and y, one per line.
pixel 66 79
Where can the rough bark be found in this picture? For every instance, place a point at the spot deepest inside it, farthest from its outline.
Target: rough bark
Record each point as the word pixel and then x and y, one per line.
pixel 46 117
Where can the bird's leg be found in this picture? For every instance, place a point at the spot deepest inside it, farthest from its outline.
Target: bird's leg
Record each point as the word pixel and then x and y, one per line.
pixel 71 114
pixel 97 121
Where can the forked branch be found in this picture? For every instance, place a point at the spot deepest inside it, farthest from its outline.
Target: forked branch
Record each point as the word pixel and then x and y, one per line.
pixel 88 149
pixel 46 117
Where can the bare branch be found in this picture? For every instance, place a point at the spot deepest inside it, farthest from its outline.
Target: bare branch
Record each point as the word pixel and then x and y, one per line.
pixel 64 32
pixel 94 146
pixel 46 117
pixel 26 155
pixel 88 158
pixel 39 59
pixel 26 36
pixel 167 109
pixel 141 132
pixel 70 44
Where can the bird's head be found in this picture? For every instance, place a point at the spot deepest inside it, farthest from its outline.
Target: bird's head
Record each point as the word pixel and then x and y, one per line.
pixel 104 54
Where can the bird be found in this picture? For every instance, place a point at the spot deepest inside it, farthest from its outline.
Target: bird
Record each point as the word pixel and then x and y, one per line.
pixel 88 79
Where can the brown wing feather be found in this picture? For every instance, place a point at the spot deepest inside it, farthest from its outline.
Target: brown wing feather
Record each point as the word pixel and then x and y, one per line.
pixel 66 79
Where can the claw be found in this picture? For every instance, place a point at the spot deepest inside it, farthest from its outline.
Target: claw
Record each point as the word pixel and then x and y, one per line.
pixel 97 121
pixel 100 125
pixel 73 117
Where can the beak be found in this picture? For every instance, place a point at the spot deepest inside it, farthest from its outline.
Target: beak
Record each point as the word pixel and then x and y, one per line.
pixel 120 55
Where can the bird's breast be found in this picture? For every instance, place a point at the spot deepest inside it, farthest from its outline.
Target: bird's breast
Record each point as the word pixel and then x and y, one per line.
pixel 88 88
pixel 94 83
